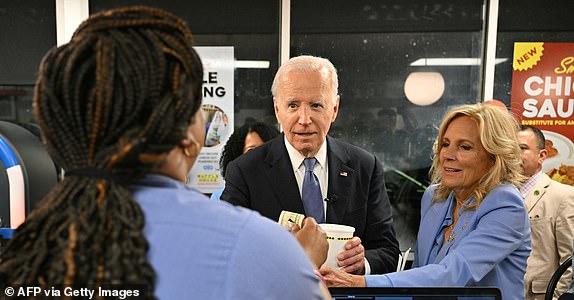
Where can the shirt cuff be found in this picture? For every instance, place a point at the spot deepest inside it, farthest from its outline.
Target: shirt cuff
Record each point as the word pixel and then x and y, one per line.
pixel 378 281
pixel 367 267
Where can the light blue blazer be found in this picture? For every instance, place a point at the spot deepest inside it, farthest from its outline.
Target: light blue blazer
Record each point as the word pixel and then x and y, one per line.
pixel 489 246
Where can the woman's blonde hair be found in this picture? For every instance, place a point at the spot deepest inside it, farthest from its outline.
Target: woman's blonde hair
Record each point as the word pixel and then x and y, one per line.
pixel 498 131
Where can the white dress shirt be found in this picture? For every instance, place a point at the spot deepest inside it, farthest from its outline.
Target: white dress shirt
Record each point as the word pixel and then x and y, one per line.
pixel 321 170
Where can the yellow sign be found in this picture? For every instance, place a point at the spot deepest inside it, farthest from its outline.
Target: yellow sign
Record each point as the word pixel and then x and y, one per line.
pixel 526 55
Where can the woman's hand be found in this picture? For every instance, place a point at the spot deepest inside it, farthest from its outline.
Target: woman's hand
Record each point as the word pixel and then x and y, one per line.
pixel 313 240
pixel 338 278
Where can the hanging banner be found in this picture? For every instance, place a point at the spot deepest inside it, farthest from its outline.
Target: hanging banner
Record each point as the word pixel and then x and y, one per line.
pixel 218 91
pixel 543 96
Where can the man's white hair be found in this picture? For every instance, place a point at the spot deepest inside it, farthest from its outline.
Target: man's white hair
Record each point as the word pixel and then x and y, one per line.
pixel 308 63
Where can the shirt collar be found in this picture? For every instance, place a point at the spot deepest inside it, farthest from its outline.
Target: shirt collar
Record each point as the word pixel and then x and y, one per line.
pixel 536 176
pixel 529 184
pixel 160 180
pixel 297 158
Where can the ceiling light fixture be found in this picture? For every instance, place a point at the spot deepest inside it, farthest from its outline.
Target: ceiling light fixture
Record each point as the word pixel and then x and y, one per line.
pixel 423 62
pixel 252 64
pixel 424 88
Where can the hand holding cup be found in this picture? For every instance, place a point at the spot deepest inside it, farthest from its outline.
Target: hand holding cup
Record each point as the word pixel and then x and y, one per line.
pixel 352 259
pixel 340 237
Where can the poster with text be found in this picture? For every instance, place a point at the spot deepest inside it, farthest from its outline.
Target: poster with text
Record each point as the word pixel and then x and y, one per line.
pixel 217 108
pixel 543 96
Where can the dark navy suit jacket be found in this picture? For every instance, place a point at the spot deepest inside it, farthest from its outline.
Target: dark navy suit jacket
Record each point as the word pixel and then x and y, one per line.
pixel 263 180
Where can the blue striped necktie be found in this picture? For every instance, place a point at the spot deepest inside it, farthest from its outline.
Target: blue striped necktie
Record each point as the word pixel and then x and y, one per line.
pixel 311 192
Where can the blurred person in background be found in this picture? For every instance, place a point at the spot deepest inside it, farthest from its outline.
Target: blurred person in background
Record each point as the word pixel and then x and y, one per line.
pixel 391 142
pixel 249 136
pixel 550 206
pixel 496 103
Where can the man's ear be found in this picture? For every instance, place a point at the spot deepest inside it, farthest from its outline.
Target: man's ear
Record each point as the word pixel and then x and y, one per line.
pixel 335 109
pixel 542 155
pixel 275 107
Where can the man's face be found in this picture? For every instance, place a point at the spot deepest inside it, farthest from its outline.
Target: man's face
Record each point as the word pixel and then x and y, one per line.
pixel 305 107
pixel 532 157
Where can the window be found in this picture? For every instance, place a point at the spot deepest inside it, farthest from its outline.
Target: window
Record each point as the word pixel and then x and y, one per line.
pixel 375 45
pixel 251 29
pixel 532 24
pixel 27 31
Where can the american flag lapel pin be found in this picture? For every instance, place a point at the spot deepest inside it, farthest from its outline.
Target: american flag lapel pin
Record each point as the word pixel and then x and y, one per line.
pixel 343 173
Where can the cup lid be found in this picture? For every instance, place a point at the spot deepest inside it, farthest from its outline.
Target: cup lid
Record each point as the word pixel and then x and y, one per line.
pixel 337 228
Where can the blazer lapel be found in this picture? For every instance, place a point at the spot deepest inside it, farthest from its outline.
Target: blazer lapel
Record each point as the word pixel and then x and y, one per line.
pixel 282 178
pixel 341 176
pixel 457 234
pixel 537 192
pixel 433 219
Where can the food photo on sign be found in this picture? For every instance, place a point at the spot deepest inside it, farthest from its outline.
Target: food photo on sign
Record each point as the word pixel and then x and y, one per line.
pixel 542 96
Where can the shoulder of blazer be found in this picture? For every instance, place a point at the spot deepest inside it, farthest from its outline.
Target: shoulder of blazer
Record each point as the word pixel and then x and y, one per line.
pixel 560 190
pixel 544 181
pixel 427 199
pixel 505 195
pixel 268 152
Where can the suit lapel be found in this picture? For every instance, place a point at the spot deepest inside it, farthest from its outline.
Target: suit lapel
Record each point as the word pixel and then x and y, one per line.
pixel 341 176
pixel 537 192
pixel 282 178
pixel 433 219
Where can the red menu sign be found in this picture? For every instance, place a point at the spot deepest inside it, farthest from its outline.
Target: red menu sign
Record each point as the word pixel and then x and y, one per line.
pixel 543 96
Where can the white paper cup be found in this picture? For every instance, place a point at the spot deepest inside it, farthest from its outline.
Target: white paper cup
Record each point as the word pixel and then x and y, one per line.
pixel 337 236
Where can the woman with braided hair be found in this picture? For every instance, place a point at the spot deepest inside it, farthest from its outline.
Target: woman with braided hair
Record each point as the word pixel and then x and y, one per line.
pixel 119 110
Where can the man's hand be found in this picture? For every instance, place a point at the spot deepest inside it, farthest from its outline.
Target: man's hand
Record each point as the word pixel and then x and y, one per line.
pixel 338 278
pixel 313 240
pixel 352 260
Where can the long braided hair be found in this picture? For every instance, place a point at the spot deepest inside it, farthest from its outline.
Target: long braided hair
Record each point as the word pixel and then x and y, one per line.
pixel 113 102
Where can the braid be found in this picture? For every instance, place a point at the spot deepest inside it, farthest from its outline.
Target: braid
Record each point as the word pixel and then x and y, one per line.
pixel 118 97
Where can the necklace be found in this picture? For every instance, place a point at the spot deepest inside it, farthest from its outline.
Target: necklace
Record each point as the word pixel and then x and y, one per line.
pixel 450 229
pixel 451 237
pixel 452 234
